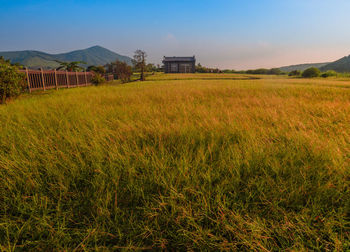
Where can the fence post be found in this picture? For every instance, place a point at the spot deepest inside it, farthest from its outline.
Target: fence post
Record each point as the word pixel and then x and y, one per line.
pixel 42 78
pixel 85 78
pixel 76 77
pixel 67 77
pixel 56 80
pixel 28 83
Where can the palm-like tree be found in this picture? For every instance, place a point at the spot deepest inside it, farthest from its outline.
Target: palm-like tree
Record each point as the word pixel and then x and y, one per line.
pixel 70 66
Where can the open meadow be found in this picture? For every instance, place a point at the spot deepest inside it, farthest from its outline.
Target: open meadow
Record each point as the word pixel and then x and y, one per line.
pixel 192 161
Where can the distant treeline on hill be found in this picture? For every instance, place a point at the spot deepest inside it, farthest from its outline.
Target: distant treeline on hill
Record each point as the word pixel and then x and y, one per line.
pixel 310 72
pixel 272 71
pixel 341 67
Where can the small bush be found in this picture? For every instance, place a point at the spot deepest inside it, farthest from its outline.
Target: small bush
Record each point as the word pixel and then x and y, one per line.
pixel 329 73
pixel 295 73
pixel 98 79
pixel 11 81
pixel 311 72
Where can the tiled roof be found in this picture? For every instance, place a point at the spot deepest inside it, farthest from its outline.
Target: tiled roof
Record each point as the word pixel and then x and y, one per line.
pixel 179 59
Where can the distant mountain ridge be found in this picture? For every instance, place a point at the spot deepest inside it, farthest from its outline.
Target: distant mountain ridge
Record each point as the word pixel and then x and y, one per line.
pixel 95 55
pixel 302 67
pixel 342 65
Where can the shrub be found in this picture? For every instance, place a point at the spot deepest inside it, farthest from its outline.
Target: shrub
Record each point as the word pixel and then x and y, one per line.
pixel 329 73
pixel 295 73
pixel 311 72
pixel 98 79
pixel 123 71
pixel 11 81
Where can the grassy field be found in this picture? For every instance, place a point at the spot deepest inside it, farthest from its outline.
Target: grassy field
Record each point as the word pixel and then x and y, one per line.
pixel 198 161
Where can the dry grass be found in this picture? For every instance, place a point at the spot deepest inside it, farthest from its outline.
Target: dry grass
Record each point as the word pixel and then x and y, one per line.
pixel 178 162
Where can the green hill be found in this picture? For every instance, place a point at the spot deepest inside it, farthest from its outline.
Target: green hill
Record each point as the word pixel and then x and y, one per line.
pixel 95 55
pixel 302 67
pixel 342 65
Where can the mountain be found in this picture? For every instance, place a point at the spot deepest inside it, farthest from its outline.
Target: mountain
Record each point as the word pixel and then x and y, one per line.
pixel 302 67
pixel 342 65
pixel 95 55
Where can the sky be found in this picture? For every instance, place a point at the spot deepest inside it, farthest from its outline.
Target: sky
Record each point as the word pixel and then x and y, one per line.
pixel 229 34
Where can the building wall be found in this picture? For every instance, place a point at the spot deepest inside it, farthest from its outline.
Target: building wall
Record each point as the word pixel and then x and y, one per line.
pixel 181 67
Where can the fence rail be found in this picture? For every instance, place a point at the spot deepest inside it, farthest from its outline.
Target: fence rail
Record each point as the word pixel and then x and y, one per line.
pixel 49 79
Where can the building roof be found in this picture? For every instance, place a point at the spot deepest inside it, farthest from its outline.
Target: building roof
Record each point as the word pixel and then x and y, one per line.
pixel 167 59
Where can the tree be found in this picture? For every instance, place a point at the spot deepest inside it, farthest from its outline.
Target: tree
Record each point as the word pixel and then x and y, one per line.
pixel 11 81
pixel 100 69
pixel 202 69
pixel 258 71
pixel 294 73
pixel 4 61
pixel 329 73
pixel 96 69
pixel 110 67
pixel 151 68
pixel 311 72
pixel 17 64
pixel 275 71
pixel 120 69
pixel 70 66
pixel 123 71
pixel 139 62
pixel 229 71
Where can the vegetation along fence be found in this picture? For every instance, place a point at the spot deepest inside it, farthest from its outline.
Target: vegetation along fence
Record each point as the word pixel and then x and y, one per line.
pixel 109 77
pixel 49 79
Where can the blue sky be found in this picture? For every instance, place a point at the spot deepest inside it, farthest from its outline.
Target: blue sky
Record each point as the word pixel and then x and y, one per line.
pixel 232 34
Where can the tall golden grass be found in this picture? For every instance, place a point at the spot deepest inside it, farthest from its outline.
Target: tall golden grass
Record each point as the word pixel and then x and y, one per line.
pixel 178 162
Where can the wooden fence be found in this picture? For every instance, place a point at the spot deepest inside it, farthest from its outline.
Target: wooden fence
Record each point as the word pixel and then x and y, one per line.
pixel 49 79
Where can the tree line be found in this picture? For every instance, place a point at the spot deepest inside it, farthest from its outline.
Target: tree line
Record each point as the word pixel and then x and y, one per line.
pixel 272 71
pixel 311 72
